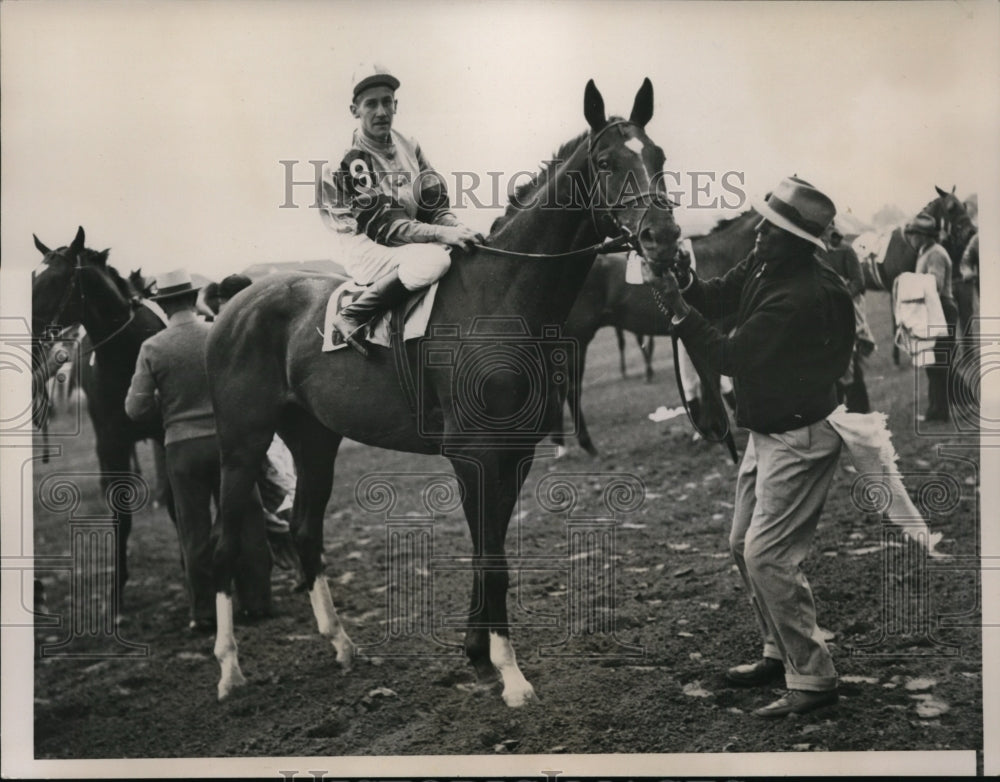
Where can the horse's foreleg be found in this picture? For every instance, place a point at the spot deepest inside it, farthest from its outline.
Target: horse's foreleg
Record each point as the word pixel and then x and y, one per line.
pixel 574 396
pixel 646 346
pixel 620 338
pixel 492 481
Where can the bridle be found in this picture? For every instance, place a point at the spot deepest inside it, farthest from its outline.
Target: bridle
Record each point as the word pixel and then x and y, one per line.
pixel 76 285
pixel 620 237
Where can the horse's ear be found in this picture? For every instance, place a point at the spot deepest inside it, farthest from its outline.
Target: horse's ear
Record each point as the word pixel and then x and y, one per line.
pixel 593 106
pixel 642 109
pixel 41 247
pixel 101 258
pixel 940 192
pixel 78 241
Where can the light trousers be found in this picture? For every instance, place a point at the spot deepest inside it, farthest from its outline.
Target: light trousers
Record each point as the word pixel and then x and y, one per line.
pixel 419 264
pixel 780 490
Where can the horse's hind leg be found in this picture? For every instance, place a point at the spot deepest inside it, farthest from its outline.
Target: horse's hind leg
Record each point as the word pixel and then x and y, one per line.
pixel 315 450
pixel 243 448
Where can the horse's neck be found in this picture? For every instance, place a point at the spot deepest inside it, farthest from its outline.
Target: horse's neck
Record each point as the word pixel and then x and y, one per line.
pixel 716 253
pixel 540 290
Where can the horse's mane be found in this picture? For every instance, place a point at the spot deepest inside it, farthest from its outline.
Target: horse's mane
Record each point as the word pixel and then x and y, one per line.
pixel 524 192
pixel 120 283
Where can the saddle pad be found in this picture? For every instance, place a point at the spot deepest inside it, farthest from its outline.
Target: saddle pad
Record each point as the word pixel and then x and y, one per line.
pixel 418 314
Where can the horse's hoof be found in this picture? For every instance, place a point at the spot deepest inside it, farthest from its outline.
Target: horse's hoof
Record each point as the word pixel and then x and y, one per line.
pixel 230 683
pixel 346 653
pixel 516 699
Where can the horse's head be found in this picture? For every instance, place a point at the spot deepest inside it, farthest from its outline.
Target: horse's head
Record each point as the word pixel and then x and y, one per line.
pixel 63 282
pixel 629 192
pixel 140 285
pixel 951 216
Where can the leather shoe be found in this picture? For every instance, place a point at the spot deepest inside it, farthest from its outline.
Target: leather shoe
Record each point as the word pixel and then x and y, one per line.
pixel 764 671
pixel 798 702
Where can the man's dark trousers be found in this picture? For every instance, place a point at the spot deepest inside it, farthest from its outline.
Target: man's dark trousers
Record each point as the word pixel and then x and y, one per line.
pixel 193 469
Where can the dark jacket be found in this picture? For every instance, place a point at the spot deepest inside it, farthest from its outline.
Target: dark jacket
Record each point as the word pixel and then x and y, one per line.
pixel 844 261
pixel 793 338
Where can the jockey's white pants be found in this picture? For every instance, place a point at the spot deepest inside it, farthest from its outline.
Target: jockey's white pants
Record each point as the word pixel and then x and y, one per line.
pixel 782 484
pixel 418 264
pixel 690 381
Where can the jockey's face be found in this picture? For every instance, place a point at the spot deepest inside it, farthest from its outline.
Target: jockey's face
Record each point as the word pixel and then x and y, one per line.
pixel 375 107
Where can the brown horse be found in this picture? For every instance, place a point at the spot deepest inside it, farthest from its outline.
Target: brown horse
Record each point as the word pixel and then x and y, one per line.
pixel 484 376
pixel 75 285
pixel 607 300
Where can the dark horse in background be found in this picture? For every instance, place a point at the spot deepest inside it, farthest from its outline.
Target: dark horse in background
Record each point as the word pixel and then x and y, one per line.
pixel 77 286
pixel 267 374
pixel 883 260
pixel 607 300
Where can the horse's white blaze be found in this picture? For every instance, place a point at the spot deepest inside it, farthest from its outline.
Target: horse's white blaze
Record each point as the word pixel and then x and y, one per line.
pixel 225 646
pixel 636 145
pixel 329 623
pixel 516 689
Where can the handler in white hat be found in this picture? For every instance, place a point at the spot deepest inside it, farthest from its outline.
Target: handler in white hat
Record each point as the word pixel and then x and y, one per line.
pixel 171 382
pixel 389 206
pixel 793 340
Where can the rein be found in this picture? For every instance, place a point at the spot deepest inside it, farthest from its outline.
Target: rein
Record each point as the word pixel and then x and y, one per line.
pixel 727 436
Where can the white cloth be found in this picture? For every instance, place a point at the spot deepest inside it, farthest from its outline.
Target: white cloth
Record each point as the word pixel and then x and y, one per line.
pixel 869 444
pixel 418 315
pixel 919 317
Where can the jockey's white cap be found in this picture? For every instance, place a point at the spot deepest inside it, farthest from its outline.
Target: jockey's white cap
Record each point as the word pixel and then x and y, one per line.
pixel 370 75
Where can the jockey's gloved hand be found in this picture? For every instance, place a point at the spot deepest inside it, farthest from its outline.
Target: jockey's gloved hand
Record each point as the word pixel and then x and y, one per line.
pixel 458 236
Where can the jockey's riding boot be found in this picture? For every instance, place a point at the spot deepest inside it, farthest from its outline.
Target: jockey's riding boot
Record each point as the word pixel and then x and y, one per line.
pixel 383 294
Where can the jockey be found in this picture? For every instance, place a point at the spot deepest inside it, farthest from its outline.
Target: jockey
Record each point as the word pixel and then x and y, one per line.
pixel 389 206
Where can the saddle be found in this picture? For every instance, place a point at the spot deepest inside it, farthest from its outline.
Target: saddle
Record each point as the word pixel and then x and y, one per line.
pixel 416 316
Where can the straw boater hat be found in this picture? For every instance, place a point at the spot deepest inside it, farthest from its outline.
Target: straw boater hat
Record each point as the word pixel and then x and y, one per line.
pixel 799 208
pixel 370 75
pixel 175 283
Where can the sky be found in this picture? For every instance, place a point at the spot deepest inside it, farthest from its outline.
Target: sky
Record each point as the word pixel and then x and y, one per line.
pixel 160 127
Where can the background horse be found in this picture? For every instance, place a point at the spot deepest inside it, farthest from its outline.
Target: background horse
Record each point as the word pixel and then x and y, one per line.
pixel 77 286
pixel 484 395
pixel 606 300
pixel 886 255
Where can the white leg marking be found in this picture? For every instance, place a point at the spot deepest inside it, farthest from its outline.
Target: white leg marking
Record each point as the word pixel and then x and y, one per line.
pixel 561 451
pixel 329 623
pixel 225 646
pixel 516 689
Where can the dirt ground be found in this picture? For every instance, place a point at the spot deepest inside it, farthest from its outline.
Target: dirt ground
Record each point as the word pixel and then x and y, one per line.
pixel 624 623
